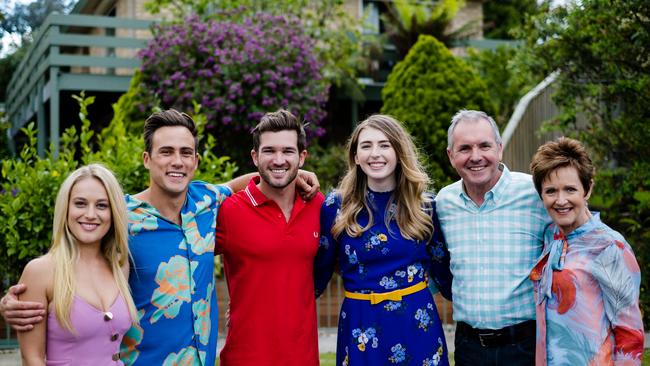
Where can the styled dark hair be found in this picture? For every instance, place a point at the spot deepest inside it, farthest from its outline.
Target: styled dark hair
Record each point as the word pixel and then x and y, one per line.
pixel 168 118
pixel 561 153
pixel 279 121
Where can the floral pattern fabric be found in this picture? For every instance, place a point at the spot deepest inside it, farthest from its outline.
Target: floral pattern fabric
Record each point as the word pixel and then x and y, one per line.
pixel 391 332
pixel 587 296
pixel 172 281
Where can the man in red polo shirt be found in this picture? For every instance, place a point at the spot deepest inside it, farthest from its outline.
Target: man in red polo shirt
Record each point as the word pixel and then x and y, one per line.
pixel 269 236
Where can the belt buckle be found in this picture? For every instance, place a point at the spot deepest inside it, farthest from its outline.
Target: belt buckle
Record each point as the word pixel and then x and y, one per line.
pixel 487 336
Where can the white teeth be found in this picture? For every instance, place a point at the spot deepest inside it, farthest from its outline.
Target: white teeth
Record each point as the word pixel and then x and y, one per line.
pixel 89 226
pixel 176 175
pixel 476 168
pixel 563 210
pixel 278 170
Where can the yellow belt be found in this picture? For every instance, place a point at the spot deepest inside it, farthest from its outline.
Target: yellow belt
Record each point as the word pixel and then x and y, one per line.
pixel 377 297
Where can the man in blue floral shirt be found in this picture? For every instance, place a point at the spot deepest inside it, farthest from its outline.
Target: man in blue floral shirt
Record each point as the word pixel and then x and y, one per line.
pixel 171 239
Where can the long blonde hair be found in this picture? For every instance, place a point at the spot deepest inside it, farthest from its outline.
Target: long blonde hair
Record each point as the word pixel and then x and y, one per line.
pixel 410 195
pixel 65 252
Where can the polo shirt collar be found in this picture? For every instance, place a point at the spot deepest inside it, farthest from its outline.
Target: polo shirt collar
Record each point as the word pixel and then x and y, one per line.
pixel 257 198
pixel 497 192
pixel 253 193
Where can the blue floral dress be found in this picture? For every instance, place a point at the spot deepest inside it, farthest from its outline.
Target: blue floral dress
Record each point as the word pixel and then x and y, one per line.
pixel 402 332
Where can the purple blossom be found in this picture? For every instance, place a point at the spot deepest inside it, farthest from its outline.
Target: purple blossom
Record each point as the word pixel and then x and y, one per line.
pixel 237 71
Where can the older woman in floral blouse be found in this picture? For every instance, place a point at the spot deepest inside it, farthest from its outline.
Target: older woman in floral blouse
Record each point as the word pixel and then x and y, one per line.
pixel 587 279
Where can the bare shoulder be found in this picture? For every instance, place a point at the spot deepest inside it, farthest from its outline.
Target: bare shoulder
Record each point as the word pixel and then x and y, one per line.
pixel 41 266
pixel 38 275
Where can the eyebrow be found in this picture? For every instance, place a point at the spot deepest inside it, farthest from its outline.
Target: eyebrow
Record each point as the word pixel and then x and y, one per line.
pixel 370 141
pixel 169 147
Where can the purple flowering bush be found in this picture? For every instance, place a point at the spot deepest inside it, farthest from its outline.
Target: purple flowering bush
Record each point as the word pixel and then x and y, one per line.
pixel 235 71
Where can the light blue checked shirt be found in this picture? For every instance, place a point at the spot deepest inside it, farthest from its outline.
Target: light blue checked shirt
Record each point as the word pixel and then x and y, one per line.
pixel 493 248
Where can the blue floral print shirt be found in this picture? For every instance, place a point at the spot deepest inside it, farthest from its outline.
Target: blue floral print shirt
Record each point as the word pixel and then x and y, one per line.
pixel 172 281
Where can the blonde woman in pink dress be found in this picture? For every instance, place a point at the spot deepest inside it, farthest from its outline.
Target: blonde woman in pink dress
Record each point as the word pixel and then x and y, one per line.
pixel 82 279
pixel 587 280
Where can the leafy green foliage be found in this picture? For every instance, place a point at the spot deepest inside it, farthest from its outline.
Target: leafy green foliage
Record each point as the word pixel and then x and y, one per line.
pixel 502 18
pixel 4 144
pixel 131 105
pixel 505 79
pixel 29 183
pixel 328 162
pixel 406 20
pixel 601 49
pixel 29 187
pixel 425 90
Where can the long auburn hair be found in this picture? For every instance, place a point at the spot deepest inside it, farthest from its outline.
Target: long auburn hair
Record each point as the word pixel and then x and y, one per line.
pixel 413 203
pixel 65 251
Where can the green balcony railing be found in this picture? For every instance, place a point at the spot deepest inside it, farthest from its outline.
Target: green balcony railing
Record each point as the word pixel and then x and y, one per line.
pixel 72 52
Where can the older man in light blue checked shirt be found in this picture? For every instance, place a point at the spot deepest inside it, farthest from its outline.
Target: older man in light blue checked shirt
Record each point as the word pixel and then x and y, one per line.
pixel 493 221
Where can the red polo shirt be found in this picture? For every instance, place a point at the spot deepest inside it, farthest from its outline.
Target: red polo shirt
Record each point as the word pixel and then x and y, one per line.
pixel 269 270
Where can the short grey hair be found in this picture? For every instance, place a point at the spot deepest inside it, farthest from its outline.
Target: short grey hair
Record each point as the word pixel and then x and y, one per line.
pixel 471 115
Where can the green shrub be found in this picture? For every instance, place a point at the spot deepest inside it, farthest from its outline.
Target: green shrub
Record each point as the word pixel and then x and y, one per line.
pixel 29 188
pixel 425 90
pixel 29 183
pixel 328 162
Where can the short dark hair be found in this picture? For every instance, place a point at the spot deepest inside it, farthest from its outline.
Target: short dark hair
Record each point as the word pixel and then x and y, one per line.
pixel 167 118
pixel 279 121
pixel 561 153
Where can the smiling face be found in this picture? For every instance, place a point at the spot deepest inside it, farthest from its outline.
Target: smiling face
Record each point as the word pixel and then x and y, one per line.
pixel 565 198
pixel 475 155
pixel 89 211
pixel 377 159
pixel 172 161
pixel 278 158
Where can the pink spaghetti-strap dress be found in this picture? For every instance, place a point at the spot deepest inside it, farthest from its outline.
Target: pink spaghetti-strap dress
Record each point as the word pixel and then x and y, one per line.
pixel 97 339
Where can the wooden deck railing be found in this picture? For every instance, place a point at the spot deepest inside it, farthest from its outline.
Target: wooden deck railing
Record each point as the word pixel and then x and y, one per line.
pixel 72 52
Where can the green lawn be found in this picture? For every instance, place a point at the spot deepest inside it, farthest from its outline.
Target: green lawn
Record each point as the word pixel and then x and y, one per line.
pixel 328 359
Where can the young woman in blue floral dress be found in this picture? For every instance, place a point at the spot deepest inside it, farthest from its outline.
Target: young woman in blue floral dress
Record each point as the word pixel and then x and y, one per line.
pixel 380 227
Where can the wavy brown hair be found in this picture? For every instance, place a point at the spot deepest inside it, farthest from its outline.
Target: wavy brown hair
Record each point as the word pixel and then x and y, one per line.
pixel 413 204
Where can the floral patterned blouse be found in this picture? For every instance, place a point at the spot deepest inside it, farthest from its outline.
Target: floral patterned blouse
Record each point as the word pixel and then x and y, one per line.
pixel 587 296
pixel 391 332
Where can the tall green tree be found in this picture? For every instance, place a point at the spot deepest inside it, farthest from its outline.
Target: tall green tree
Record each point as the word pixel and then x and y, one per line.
pixel 602 50
pixel 25 18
